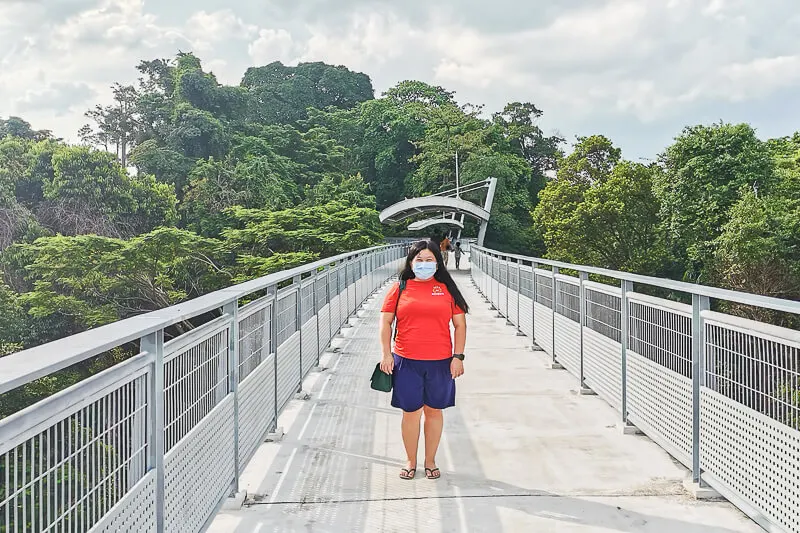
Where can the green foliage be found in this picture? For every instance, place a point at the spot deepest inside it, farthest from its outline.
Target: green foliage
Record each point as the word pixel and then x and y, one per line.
pixel 705 172
pixel 86 281
pixel 323 230
pixel 279 94
pixel 91 193
pixel 611 222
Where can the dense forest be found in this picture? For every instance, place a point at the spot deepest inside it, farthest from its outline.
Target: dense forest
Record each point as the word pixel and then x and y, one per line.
pixel 184 185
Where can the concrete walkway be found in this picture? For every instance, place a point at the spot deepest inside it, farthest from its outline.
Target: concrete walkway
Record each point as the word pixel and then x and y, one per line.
pixel 521 452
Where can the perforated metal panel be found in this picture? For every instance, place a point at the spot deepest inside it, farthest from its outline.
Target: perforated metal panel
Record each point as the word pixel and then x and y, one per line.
pixel 199 471
pixel 288 369
pixel 660 403
pixel 324 327
pixel 544 327
pixel 602 366
pixel 502 300
pixel 254 331
pixel 334 316
pixel 310 345
pixel 526 315
pixel 513 310
pixel 256 408
pixel 344 312
pixel 752 455
pixel 568 344
pixel 135 512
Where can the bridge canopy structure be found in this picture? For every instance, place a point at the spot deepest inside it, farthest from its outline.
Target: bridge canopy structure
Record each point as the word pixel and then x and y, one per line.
pixel 438 221
pixel 447 202
pixel 187 434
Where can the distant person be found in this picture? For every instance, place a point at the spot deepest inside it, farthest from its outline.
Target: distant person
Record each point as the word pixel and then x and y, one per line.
pixel 458 254
pixel 445 248
pixel 426 360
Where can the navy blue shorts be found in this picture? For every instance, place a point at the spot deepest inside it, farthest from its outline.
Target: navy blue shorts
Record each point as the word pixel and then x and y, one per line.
pixel 417 383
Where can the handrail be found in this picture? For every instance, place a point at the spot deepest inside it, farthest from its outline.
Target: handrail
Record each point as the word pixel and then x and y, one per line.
pixel 27 365
pixel 777 304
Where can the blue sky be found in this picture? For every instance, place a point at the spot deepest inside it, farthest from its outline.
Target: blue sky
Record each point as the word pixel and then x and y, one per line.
pixel 635 70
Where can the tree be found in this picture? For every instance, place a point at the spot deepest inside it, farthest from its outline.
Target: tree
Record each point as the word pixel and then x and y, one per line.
pixel 705 173
pixel 279 94
pixel 75 283
pixel 116 124
pixel 351 191
pixel 258 182
pixel 758 249
pixel 91 193
pixel 591 161
pixel 21 129
pixel 601 211
pixel 323 230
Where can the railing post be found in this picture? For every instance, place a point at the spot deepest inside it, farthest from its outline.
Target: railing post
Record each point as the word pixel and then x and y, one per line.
pixel 554 303
pixel 154 344
pixel 699 304
pixel 626 287
pixel 582 277
pixel 317 309
pixel 298 318
pixel 273 344
pixel 232 309
pixel 534 294
pixel 519 295
pixel 508 287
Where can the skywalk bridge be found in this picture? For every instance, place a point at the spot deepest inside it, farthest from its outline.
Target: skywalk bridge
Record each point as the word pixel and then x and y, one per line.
pixel 562 372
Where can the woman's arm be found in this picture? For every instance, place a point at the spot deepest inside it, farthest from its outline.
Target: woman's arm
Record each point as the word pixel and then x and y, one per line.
pixel 387 361
pixel 460 333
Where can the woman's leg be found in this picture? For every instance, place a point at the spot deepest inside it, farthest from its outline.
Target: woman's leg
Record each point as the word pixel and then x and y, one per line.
pixel 410 430
pixel 434 421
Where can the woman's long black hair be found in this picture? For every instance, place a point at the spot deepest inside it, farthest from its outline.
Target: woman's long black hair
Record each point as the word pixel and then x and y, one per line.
pixel 442 275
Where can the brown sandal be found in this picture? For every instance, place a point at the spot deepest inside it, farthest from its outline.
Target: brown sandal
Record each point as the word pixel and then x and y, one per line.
pixel 432 473
pixel 407 473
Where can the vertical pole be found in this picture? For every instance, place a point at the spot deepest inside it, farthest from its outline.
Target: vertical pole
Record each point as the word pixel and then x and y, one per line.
pixel 317 309
pixel 554 303
pixel 232 310
pixel 699 304
pixel 626 287
pixel 519 293
pixel 298 320
pixel 273 344
pixel 582 277
pixel 534 267
pixel 507 261
pixel 154 344
pixel 458 195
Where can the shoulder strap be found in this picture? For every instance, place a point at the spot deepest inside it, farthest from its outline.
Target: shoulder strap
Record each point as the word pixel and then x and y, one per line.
pixel 396 303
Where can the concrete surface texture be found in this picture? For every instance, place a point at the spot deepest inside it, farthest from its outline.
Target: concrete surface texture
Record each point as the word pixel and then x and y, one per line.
pixel 522 452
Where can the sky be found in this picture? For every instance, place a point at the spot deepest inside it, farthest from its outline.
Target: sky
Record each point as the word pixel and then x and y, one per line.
pixel 637 71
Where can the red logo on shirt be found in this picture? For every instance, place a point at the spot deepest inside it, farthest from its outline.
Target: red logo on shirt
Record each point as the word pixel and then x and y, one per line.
pixel 437 291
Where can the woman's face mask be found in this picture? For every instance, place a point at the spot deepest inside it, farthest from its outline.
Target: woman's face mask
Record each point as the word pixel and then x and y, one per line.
pixel 424 270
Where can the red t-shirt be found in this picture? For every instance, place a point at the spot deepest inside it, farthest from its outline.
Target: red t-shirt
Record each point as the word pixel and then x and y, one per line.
pixel 423 319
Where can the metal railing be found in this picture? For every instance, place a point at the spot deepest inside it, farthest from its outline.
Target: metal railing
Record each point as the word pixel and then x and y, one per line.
pixel 157 442
pixel 718 392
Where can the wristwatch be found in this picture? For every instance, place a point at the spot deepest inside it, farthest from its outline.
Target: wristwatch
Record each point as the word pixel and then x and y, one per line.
pixel 458 356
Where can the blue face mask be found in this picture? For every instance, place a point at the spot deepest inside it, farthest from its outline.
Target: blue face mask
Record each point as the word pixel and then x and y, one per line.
pixel 424 271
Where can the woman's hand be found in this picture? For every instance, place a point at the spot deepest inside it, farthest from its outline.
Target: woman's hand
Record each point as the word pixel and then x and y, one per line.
pixel 456 367
pixel 387 364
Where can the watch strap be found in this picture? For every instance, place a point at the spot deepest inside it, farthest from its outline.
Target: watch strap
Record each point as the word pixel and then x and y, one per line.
pixel 458 356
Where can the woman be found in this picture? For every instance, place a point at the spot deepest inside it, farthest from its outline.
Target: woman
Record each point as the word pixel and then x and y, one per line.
pixel 424 364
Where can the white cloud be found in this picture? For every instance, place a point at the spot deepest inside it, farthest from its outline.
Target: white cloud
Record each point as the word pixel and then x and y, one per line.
pixel 272 45
pixel 205 29
pixel 590 65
